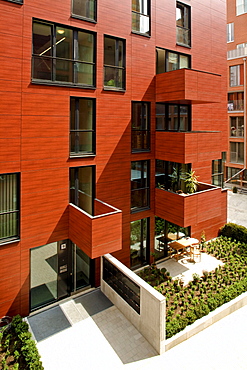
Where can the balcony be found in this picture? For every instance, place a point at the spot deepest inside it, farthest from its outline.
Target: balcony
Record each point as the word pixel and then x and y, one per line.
pixel 235 105
pixel 190 209
pixel 188 86
pixel 99 234
pixel 237 53
pixel 187 147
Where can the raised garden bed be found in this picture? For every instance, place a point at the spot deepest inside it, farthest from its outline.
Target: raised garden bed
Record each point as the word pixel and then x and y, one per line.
pixel 186 304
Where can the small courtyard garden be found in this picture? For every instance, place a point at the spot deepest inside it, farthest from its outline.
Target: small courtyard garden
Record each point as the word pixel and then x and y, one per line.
pixel 187 303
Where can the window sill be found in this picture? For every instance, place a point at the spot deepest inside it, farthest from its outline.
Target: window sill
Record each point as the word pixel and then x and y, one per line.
pixel 9 241
pixel 15 1
pixel 140 34
pixel 72 156
pixel 184 45
pixel 138 151
pixel 83 18
pixel 61 84
pixel 139 209
pixel 114 89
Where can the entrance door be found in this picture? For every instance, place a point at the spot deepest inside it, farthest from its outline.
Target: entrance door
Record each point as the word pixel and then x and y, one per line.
pixel 56 271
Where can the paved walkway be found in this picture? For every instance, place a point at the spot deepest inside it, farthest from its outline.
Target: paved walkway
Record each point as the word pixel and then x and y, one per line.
pixel 89 333
pixel 82 335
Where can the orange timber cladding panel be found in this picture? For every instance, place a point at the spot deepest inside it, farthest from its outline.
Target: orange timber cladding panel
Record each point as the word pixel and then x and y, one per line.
pixel 187 147
pixel 34 126
pixel 95 235
pixel 191 209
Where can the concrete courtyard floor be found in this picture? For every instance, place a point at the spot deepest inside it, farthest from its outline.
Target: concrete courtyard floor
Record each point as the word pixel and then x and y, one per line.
pixel 88 332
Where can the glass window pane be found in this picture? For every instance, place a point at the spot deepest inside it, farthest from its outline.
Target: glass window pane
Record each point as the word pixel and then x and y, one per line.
pixel 64 71
pixel 64 43
pixel 172 62
pixel 173 118
pixel 160 116
pixel 183 126
pixel 84 8
pixel 42 38
pixel 160 61
pixel 85 188
pixel 81 142
pixel 109 51
pixel 183 61
pixel 84 73
pixel 85 47
pixel 140 23
pixel 85 114
pixel 43 275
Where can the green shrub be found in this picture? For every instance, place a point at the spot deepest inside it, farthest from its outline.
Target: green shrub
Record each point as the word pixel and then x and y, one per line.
pixel 234 231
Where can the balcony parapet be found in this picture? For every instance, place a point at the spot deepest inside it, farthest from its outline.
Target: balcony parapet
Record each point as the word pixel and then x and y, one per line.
pixel 99 234
pixel 188 86
pixel 190 209
pixel 237 53
pixel 187 147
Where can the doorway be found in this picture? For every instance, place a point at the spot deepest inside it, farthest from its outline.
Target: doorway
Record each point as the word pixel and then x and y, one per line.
pixel 57 270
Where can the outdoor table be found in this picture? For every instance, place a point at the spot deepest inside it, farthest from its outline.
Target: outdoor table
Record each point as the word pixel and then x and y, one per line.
pixel 181 244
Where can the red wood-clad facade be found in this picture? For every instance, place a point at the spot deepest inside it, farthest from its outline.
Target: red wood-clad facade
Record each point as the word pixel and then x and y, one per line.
pixel 35 129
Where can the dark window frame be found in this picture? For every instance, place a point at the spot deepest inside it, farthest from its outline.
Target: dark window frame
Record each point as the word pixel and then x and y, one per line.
pixel 74 59
pixel 84 18
pixel 167 51
pixel 168 180
pixel 143 261
pixel 217 175
pixel 147 34
pixel 20 2
pixel 93 131
pixel 16 237
pixel 145 189
pixel 166 128
pixel 76 190
pixel 141 130
pixel 116 66
pixel 186 8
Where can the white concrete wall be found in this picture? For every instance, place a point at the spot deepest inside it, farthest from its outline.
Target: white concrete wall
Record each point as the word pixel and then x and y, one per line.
pixel 151 321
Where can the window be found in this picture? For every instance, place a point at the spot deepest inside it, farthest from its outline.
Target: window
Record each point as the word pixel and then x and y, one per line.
pixel 114 63
pixel 170 175
pixel 183 24
pixel 167 61
pixel 241 7
pixel 140 17
pixel 138 242
pixel 217 172
pixel 85 9
pixel 230 32
pixel 236 101
pixel 173 117
pixel 165 233
pixel 237 126
pixel 82 180
pixel 237 153
pixel 82 126
pixel 9 207
pixel 140 126
pixel 236 75
pixel 243 45
pixel 139 185
pixel 63 55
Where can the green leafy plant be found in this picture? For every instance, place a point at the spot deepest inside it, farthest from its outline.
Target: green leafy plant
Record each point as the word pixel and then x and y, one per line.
pixel 191 181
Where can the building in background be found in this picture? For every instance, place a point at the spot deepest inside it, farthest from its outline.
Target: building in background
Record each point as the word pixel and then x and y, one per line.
pixel 104 108
pixel 236 173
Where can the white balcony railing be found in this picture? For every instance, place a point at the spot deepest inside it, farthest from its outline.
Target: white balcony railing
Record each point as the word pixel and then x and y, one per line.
pixel 237 53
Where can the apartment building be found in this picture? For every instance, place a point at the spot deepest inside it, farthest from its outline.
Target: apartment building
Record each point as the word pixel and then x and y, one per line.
pixel 236 173
pixel 105 107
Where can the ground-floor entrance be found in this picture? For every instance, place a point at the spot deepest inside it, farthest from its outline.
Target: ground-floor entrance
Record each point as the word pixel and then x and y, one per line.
pixel 57 270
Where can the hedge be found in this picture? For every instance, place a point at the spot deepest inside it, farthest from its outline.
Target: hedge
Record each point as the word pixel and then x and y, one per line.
pixel 234 231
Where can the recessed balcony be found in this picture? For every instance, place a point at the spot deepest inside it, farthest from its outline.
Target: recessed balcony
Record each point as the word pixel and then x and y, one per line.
pixel 190 209
pixel 99 234
pixel 187 147
pixel 188 86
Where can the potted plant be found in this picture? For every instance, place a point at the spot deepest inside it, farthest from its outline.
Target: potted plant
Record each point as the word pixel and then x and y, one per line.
pixel 191 181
